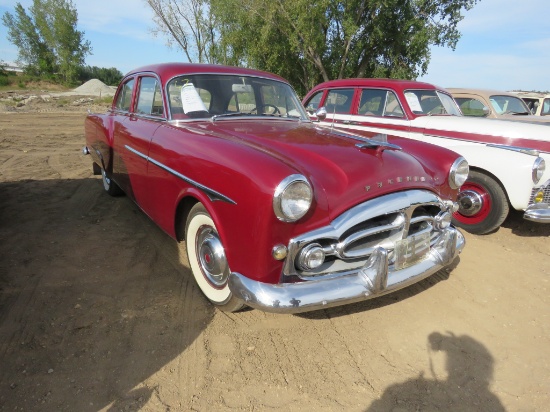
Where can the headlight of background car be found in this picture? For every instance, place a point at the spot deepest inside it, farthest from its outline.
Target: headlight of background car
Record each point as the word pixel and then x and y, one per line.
pixel 292 198
pixel 458 173
pixel 538 169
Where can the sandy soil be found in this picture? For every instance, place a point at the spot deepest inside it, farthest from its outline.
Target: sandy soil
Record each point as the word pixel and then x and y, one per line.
pixel 98 312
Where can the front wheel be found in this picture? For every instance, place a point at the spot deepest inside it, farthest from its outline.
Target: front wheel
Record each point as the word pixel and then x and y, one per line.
pixel 207 259
pixel 110 187
pixel 483 205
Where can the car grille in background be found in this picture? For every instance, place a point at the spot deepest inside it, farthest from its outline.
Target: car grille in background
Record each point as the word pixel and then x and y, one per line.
pixel 382 222
pixel 546 198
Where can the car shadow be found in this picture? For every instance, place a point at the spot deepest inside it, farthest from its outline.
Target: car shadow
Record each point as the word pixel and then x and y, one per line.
pixel 466 387
pixel 94 299
pixel 521 227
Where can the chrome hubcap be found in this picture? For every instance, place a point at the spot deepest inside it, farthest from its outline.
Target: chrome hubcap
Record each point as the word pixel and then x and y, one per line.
pixel 106 180
pixel 211 256
pixel 469 202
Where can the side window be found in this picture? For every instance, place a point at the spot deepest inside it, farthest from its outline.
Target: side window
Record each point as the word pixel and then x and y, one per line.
pixel 545 107
pixel 393 108
pixel 150 98
pixel 339 101
pixel 471 107
pixel 124 98
pixel 313 104
pixel 372 102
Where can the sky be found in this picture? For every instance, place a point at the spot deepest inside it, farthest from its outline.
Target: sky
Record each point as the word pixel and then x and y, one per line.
pixel 505 44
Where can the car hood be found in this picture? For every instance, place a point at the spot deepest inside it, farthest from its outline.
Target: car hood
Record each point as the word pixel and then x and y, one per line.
pixel 330 159
pixel 491 131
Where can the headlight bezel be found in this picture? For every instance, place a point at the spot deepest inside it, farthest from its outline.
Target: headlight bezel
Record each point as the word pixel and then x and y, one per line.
pixel 279 197
pixel 538 169
pixel 456 174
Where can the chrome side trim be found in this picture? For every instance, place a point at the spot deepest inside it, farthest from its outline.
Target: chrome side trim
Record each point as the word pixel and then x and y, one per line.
pixel 212 194
pixel 375 278
pixel 524 150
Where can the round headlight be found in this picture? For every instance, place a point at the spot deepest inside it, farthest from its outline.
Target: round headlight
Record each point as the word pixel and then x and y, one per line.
pixel 292 198
pixel 311 257
pixel 458 173
pixel 538 169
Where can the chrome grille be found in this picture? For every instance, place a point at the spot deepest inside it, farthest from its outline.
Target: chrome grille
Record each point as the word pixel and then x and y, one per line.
pixel 382 222
pixel 545 189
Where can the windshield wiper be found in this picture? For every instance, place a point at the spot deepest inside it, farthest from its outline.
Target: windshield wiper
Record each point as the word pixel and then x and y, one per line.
pixel 219 116
pixel 516 113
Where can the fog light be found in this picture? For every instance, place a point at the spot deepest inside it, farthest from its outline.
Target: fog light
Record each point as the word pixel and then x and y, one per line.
pixel 279 252
pixel 311 257
pixel 443 220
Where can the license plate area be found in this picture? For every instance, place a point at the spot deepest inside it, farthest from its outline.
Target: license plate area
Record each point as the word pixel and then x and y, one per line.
pixel 412 250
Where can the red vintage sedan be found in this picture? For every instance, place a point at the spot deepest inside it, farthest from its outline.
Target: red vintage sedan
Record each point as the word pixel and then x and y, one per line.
pixel 275 212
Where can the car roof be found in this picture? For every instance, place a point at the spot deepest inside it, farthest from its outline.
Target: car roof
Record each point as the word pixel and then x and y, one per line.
pixel 480 92
pixel 167 71
pixel 395 84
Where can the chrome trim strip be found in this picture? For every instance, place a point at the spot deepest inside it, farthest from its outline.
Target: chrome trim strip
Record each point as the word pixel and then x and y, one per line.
pixel 374 279
pixel 212 194
pixel 524 150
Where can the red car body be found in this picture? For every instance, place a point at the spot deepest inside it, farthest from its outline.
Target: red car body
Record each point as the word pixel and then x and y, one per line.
pixel 168 161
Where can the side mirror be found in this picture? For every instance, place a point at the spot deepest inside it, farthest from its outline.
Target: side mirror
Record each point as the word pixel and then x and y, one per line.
pixel 321 113
pixel 485 111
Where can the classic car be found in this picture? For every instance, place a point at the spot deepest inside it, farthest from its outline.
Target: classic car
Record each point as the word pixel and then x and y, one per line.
pixel 273 211
pixel 538 103
pixel 494 105
pixel 507 159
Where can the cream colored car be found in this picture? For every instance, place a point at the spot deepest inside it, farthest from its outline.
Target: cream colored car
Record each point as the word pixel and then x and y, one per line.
pixel 538 103
pixel 494 104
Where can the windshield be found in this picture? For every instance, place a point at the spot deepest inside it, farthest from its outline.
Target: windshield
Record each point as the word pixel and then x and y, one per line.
pixel 217 96
pixel 431 102
pixel 508 105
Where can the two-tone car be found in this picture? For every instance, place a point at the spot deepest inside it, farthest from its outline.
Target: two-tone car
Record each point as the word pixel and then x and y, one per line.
pixel 495 104
pixel 507 159
pixel 272 210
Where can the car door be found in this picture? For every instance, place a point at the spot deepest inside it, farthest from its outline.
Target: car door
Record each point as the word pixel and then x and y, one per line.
pixel 132 138
pixel 379 111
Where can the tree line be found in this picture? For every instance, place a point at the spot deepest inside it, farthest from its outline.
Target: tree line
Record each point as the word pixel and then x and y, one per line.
pixel 304 41
pixel 50 46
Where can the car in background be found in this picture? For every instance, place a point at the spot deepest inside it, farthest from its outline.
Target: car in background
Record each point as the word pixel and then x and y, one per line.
pixel 507 159
pixel 273 211
pixel 494 105
pixel 538 103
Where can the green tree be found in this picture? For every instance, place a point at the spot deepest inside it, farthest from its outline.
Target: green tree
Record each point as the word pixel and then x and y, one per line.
pixel 311 41
pixel 188 24
pixel 47 39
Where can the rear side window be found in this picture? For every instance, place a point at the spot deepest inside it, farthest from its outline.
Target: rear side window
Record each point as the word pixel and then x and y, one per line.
pixel 150 98
pixel 124 98
pixel 376 102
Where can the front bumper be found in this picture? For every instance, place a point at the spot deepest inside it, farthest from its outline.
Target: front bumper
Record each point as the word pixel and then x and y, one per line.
pixel 375 278
pixel 539 212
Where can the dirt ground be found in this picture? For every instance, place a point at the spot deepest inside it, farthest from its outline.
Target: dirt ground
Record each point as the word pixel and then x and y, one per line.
pixel 98 312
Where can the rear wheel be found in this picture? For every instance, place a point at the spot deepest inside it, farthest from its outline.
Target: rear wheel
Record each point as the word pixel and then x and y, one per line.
pixel 207 259
pixel 110 187
pixel 483 205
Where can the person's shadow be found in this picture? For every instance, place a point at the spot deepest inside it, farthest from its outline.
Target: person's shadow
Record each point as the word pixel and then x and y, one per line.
pixel 470 370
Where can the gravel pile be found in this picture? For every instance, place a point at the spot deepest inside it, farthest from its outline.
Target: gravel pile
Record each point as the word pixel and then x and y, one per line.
pixel 95 87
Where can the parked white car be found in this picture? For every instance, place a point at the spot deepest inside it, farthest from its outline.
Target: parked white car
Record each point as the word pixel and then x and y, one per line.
pixel 507 158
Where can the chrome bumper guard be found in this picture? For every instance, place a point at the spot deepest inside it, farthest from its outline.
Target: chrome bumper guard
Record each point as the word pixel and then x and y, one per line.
pixel 539 212
pixel 374 279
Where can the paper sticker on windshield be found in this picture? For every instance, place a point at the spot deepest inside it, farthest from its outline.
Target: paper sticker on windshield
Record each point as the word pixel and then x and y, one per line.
pixel 414 103
pixel 190 99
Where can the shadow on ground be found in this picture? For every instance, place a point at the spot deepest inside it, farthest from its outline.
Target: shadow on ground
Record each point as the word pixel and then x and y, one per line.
pixel 469 372
pixel 94 299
